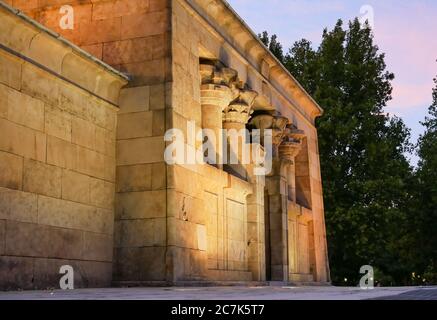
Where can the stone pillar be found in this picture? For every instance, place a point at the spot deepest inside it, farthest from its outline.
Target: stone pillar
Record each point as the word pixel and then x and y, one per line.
pixel 288 150
pixel 277 197
pixel 216 95
pixel 235 117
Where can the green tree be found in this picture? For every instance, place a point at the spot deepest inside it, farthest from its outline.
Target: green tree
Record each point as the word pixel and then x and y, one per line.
pixel 273 45
pixel 365 173
pixel 426 213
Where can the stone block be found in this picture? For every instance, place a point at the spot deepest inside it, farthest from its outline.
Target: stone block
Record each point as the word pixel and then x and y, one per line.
pixel 134 99
pixel 18 205
pixel 99 31
pixel 4 100
pixel 42 179
pixel 140 264
pixel 157 97
pixel 22 141
pixel 16 273
pixel 102 193
pixel 25 110
pixel 135 26
pixel 103 115
pixel 182 234
pixel 136 178
pixel 76 102
pixel 61 153
pixel 72 215
pixel 11 171
pixel 140 151
pixel 95 49
pixel 58 123
pixel 39 84
pixel 83 133
pixel 148 72
pixel 26 239
pixel 105 142
pixel 112 9
pixel 140 233
pixel 141 205
pixel 2 236
pixel 109 168
pixel 90 162
pixel 97 247
pixel 159 176
pixel 75 186
pixel 158 123
pixel 128 51
pixel 201 237
pixel 11 71
pixel 135 125
pixel 158 5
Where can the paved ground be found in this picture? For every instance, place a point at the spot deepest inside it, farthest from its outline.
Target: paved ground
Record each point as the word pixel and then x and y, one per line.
pixel 230 293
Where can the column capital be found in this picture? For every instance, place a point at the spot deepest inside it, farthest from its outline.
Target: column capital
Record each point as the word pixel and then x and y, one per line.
pixel 240 109
pixel 217 84
pixel 291 143
pixel 276 123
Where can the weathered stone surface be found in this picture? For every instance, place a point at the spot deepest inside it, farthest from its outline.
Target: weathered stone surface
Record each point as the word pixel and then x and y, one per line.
pixel 140 150
pixel 16 272
pixel 140 264
pixel 76 186
pixel 11 75
pixel 140 233
pixel 22 141
pixel 97 247
pixel 141 205
pixel 137 177
pixel 18 205
pixel 83 133
pixel 61 153
pixel 25 110
pixel 102 193
pixel 135 125
pixel 11 171
pixel 74 215
pixel 58 123
pixel 2 236
pixel 41 178
pixel 29 239
pixel 134 99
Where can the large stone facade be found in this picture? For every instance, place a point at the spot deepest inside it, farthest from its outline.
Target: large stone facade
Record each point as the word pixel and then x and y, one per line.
pixel 83 178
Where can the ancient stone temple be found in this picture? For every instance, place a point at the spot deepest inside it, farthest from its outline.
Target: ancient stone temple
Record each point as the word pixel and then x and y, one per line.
pixel 88 90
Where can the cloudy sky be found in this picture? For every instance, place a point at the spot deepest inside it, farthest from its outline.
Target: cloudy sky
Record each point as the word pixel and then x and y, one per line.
pixel 406 31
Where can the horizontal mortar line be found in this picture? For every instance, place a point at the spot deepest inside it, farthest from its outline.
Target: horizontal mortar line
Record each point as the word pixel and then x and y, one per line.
pixel 57 75
pixel 58 227
pixel 54 258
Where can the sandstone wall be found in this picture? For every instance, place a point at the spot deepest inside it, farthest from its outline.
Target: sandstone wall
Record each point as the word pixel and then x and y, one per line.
pixel 57 160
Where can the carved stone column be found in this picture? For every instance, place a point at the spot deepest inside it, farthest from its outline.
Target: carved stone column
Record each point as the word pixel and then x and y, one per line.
pixel 275 199
pixel 235 117
pixel 216 94
pixel 288 150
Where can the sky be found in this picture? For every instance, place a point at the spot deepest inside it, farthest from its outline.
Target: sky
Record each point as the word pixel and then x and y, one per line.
pixel 406 31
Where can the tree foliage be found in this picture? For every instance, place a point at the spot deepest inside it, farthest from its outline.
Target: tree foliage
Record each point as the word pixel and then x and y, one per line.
pixel 369 186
